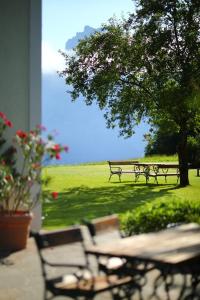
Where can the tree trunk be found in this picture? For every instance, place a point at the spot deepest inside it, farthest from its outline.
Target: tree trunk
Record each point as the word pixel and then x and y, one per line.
pixel 183 159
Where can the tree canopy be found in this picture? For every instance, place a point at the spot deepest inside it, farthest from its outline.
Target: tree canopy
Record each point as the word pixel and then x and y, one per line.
pixel 145 66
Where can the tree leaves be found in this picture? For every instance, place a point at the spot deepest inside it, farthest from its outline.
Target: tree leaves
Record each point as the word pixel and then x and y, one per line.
pixel 145 66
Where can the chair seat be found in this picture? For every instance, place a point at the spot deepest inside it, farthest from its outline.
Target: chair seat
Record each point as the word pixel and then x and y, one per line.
pixel 70 278
pixel 94 284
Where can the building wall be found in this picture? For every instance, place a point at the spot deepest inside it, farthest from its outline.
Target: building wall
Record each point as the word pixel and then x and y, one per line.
pixel 20 63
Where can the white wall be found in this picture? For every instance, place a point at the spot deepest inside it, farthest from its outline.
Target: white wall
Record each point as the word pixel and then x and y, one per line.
pixel 20 64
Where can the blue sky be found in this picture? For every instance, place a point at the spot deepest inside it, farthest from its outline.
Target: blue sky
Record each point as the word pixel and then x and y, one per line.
pixel 63 18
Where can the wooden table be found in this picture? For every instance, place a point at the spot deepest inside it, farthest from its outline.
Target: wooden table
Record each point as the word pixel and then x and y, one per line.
pixel 175 250
pixel 171 246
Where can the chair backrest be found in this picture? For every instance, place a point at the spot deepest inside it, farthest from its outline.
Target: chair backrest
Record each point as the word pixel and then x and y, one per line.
pixel 58 238
pixel 103 225
pixel 106 223
pixel 53 239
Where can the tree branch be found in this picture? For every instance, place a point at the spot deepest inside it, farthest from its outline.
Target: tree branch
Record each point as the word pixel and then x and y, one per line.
pixel 176 32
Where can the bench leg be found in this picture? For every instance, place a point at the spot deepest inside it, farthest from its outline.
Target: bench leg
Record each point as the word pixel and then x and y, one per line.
pixel 119 177
pixel 115 174
pixel 136 177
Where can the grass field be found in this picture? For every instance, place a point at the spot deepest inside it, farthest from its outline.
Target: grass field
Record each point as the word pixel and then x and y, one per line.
pixel 84 192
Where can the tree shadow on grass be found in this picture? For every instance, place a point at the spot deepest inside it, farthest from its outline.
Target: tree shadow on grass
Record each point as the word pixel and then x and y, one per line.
pixel 81 202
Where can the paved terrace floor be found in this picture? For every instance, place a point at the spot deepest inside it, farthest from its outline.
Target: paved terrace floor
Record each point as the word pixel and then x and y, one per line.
pixel 21 279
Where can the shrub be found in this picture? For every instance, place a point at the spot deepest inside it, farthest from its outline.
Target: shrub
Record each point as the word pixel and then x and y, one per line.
pixel 159 215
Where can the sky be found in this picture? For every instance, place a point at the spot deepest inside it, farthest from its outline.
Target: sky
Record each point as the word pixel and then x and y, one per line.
pixel 63 18
pixel 81 127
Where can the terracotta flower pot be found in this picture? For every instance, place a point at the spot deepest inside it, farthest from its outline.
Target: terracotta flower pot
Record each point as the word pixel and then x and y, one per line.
pixel 14 230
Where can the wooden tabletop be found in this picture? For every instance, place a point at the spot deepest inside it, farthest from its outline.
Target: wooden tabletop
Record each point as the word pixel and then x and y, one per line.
pixel 172 246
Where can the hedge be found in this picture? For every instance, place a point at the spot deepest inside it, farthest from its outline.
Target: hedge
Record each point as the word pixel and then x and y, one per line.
pixel 160 215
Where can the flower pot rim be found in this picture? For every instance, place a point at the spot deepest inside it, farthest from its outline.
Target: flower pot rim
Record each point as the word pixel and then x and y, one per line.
pixel 18 213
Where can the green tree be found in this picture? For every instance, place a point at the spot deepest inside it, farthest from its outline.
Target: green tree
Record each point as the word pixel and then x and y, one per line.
pixel 163 141
pixel 160 142
pixel 145 66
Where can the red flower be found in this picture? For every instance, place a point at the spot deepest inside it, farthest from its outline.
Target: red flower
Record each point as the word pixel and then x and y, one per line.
pixel 2 115
pixel 56 148
pixel 58 156
pixel 8 123
pixel 21 134
pixel 54 195
pixel 8 177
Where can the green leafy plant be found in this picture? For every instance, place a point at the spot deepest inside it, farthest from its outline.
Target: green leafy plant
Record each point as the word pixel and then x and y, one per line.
pixel 22 189
pixel 160 215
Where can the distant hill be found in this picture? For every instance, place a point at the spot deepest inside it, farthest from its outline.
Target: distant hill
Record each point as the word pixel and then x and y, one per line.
pixel 87 31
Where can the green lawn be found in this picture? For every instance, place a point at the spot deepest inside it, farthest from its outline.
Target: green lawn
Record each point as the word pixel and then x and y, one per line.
pixel 84 192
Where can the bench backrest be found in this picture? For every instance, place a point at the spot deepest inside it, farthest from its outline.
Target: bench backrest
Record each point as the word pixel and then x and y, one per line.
pixel 121 162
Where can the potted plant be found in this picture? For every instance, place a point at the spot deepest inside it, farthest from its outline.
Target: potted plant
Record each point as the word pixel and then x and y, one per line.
pixel 20 187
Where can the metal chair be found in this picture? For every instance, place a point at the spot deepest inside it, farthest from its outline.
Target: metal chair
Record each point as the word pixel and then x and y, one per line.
pixel 109 226
pixel 81 282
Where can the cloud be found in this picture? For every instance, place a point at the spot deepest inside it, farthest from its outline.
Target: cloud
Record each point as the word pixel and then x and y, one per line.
pixel 52 60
